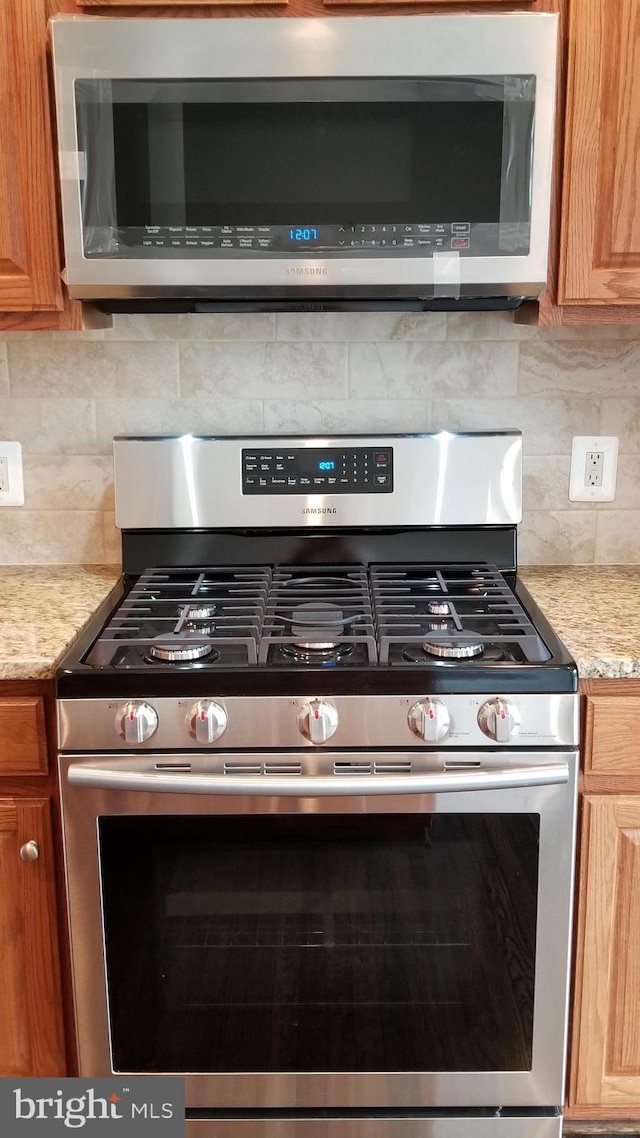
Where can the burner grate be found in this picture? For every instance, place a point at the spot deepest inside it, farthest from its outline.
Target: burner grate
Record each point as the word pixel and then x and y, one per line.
pixel 222 609
pixel 319 615
pixel 447 605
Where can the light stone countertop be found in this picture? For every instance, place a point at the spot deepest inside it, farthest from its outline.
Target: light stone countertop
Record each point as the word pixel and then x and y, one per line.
pixel 42 608
pixel 594 610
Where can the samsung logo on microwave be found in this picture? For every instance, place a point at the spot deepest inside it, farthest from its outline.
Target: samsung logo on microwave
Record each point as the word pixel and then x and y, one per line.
pixel 319 510
pixel 305 271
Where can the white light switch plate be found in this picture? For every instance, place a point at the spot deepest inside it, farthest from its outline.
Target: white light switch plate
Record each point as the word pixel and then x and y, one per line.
pixel 579 488
pixel 11 483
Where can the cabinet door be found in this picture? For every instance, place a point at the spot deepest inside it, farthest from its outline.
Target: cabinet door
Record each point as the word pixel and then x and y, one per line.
pixel 31 1035
pixel 600 231
pixel 29 256
pixel 605 1075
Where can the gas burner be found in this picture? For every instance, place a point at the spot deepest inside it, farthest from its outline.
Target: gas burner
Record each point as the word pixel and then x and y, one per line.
pixel 438 608
pixel 439 625
pixel 180 653
pixel 196 626
pixel 460 648
pixel 309 653
pixel 195 613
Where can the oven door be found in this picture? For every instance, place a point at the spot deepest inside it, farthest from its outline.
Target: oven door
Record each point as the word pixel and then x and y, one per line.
pixel 355 941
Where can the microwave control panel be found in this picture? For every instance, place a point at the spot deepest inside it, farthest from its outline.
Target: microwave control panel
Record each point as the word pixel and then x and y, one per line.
pixel 358 470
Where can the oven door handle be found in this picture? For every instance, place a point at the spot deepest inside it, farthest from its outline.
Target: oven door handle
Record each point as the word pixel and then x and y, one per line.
pixel 124 774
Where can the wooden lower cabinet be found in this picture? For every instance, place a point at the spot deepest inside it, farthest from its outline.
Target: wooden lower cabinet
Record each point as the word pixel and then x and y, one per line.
pixel 604 1080
pixel 31 1039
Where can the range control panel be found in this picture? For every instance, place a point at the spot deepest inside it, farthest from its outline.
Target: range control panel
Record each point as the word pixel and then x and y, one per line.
pixel 357 470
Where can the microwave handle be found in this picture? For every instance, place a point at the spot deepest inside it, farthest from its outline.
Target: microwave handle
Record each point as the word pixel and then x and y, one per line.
pixel 114 775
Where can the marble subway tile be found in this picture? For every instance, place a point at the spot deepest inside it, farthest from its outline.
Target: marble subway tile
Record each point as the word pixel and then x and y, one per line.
pixel 502 326
pixel 628 484
pixel 49 426
pixel 193 326
pixel 35 537
pixel 580 368
pixel 102 369
pixel 618 537
pixel 557 537
pixel 68 482
pixel 206 415
pixel 621 417
pixel 545 482
pixel 4 370
pixel 112 539
pixel 548 425
pixel 247 371
pixel 353 326
pixel 410 371
pixel 346 416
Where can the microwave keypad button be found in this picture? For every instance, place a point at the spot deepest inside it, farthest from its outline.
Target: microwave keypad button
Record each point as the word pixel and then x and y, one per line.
pixel 460 227
pixel 191 242
pixel 459 242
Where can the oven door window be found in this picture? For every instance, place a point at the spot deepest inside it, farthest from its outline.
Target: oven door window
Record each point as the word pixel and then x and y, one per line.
pixel 362 167
pixel 321 943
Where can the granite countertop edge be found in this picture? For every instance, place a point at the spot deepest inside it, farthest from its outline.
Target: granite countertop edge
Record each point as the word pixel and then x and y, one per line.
pixel 595 610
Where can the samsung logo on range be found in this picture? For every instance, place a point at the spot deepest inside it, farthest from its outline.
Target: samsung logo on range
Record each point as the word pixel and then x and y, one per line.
pixel 306 271
pixel 319 510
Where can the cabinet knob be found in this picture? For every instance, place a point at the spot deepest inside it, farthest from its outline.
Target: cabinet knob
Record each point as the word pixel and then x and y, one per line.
pixel 30 851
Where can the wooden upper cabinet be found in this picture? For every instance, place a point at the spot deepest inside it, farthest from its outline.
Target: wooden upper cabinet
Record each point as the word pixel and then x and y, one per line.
pixel 600 239
pixel 605 1065
pixel 32 1038
pixel 29 254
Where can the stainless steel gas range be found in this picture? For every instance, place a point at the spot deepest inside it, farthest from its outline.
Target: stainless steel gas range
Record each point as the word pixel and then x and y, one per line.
pixel 318 770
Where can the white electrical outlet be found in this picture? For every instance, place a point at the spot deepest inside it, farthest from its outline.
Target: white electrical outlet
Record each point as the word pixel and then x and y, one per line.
pixel 594 468
pixel 11 484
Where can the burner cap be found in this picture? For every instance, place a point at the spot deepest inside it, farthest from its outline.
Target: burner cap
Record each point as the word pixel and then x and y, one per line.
pixel 179 653
pixel 438 608
pixel 458 649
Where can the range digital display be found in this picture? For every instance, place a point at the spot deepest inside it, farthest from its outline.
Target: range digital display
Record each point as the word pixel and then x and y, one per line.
pixel 310 470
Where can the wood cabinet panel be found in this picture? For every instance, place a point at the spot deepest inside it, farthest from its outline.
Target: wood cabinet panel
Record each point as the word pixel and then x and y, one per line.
pixel 23 744
pixel 31 1040
pixel 605 1070
pixel 612 735
pixel 600 238
pixel 29 254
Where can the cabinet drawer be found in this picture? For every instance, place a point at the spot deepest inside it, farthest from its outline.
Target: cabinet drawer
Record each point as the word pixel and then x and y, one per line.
pixel 612 735
pixel 23 741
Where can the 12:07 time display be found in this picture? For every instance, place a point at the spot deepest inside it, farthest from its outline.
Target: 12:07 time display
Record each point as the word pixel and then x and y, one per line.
pixel 306 233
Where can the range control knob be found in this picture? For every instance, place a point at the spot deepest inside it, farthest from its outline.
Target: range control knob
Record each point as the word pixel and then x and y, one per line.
pixel 499 719
pixel 318 720
pixel 429 719
pixel 136 721
pixel 206 721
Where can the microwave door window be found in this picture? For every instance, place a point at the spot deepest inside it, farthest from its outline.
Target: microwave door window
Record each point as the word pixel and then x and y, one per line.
pixel 174 163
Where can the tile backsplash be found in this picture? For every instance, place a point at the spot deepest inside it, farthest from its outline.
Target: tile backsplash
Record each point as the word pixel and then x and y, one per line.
pixel 64 396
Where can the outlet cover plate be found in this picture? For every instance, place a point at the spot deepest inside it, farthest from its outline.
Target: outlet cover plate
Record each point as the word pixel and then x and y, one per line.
pixel 14 496
pixel 579 491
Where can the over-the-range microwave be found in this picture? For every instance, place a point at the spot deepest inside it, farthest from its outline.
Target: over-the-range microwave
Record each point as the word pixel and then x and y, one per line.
pixel 315 163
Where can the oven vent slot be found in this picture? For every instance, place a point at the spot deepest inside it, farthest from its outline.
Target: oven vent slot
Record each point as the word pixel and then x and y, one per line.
pixel 399 767
pixel 242 768
pixel 355 766
pixel 173 766
pixel 462 764
pixel 283 768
